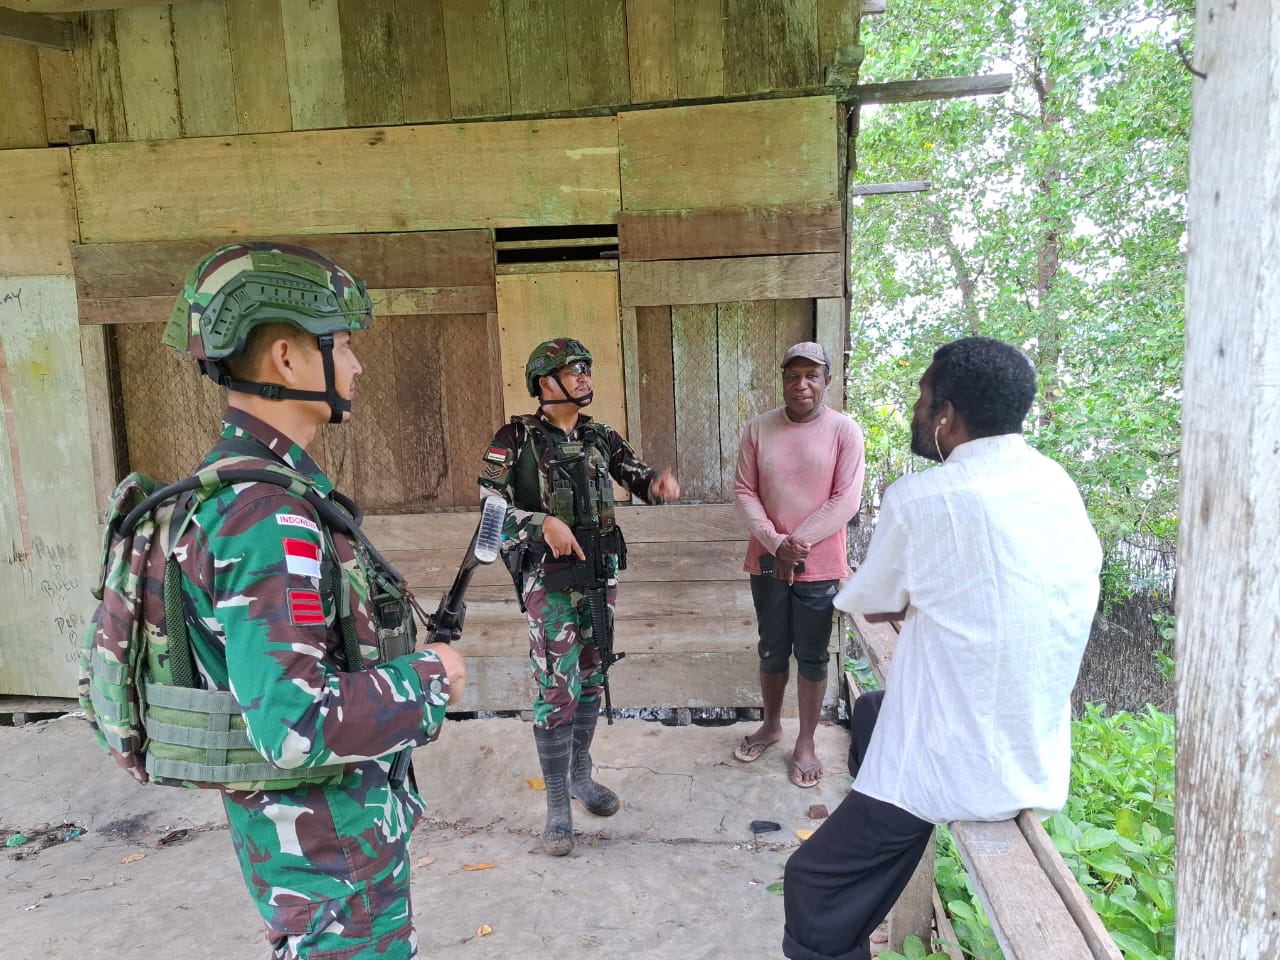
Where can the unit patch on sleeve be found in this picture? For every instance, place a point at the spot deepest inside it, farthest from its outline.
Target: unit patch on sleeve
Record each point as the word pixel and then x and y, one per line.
pixel 497 455
pixel 304 608
pixel 302 558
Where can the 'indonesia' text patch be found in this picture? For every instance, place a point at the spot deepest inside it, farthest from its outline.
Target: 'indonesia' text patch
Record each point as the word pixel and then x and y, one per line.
pixel 302 557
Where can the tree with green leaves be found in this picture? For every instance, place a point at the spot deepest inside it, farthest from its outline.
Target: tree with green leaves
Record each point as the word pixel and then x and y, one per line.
pixel 1055 221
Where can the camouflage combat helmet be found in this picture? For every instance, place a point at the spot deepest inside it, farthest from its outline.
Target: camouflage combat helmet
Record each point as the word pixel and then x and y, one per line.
pixel 245 285
pixel 549 356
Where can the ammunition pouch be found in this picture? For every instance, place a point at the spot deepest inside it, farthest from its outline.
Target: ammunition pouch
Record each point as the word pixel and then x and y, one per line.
pixel 392 618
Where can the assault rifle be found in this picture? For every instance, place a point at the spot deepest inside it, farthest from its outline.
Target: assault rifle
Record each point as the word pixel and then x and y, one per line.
pixel 445 625
pixel 591 575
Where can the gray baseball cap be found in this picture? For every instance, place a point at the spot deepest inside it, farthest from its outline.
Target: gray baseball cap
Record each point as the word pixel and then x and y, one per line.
pixel 808 350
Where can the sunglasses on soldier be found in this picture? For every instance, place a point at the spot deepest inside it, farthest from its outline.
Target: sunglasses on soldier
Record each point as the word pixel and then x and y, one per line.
pixel 579 368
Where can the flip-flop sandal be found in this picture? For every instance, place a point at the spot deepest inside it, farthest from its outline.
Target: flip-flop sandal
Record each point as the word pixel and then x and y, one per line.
pixel 749 751
pixel 798 773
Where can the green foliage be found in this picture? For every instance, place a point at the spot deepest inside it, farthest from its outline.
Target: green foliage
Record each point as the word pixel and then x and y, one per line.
pixel 913 948
pixel 1115 834
pixel 860 667
pixel 1055 221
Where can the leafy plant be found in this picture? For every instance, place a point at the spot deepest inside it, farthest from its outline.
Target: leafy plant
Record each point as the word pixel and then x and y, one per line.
pixel 1115 834
pixel 913 948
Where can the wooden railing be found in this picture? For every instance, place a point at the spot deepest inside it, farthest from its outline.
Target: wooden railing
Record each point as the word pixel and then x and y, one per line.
pixel 1035 906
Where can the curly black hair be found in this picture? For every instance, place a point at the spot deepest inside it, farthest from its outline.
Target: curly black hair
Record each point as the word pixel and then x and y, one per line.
pixel 990 383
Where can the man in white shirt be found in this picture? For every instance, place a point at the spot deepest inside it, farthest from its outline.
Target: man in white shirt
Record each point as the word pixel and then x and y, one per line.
pixel 992 566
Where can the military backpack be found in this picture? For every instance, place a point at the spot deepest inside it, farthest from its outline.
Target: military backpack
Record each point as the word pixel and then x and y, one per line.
pixel 138 684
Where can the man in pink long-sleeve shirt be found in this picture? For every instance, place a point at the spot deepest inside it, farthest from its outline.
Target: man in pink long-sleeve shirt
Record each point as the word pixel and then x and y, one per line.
pixel 799 483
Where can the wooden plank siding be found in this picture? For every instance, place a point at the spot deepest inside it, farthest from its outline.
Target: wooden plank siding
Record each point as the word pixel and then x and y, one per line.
pixel 684 616
pixel 37 212
pixel 535 307
pixel 259 71
pixel 730 232
pixel 47 511
pixel 651 282
pixel 22 122
pixel 351 181
pixel 439 272
pixel 148 74
pixel 206 85
pixel 774 153
pixel 215 67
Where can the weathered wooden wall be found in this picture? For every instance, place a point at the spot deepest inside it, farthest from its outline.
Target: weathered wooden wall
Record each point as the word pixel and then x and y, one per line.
pixel 339 123
pixel 209 68
pixel 48 523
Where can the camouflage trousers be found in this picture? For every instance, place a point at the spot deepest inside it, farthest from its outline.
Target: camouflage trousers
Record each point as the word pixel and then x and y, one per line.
pixel 566 664
pixel 328 867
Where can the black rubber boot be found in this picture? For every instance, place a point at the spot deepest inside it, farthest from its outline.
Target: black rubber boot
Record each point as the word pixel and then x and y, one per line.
pixel 554 748
pixel 598 799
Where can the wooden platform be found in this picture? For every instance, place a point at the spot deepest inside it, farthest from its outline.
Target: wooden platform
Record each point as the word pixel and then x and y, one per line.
pixel 684 615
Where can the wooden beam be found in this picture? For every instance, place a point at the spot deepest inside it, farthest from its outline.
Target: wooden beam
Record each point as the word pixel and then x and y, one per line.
pixel 730 232
pixel 662 282
pixel 1026 913
pixel 876 189
pixel 666 164
pixel 1228 730
pixel 35 29
pixel 499 174
pixel 1077 904
pixel 936 88
pixel 80 6
pixel 391 261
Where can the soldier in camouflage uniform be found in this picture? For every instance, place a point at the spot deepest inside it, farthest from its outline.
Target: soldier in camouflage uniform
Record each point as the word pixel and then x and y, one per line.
pixel 536 463
pixel 266 585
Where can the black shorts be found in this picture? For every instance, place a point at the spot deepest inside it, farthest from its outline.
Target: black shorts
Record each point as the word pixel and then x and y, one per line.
pixel 794 618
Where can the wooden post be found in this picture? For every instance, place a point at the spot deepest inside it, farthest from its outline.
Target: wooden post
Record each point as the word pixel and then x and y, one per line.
pixel 1229 565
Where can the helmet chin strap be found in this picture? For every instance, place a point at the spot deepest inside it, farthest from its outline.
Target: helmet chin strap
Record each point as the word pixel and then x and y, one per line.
pixel 338 404
pixel 577 401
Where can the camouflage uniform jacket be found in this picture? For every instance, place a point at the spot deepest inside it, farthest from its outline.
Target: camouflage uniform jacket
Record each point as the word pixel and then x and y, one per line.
pixel 257 571
pixel 610 455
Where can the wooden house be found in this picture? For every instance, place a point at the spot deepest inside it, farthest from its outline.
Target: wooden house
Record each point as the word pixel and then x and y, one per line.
pixel 663 179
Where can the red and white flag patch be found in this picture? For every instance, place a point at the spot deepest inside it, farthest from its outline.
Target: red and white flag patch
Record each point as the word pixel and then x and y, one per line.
pixel 304 608
pixel 302 557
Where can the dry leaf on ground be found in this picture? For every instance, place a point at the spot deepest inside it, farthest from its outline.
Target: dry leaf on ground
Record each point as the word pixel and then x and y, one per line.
pixel 484 930
pixel 477 866
pixel 426 861
pixel 536 783
pixel 133 858
pixel 804 833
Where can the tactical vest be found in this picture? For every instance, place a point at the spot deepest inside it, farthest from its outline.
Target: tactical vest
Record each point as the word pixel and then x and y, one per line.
pixel 548 468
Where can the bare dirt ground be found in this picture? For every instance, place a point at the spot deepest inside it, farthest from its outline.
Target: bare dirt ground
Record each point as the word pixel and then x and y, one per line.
pixel 677 873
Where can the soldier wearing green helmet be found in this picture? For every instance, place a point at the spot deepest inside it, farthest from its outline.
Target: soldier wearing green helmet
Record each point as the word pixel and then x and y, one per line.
pixel 295 614
pixel 556 468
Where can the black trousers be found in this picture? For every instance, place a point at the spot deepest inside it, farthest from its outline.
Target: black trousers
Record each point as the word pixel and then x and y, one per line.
pixel 844 880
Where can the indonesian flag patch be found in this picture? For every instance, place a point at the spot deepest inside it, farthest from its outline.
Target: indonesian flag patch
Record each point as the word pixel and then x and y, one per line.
pixel 302 557
pixel 496 455
pixel 304 608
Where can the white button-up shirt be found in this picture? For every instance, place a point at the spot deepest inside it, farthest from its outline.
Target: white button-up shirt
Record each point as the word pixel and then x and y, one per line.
pixel 993 557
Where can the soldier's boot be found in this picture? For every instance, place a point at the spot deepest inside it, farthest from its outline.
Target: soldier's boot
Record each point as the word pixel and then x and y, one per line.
pixel 598 799
pixel 555 746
